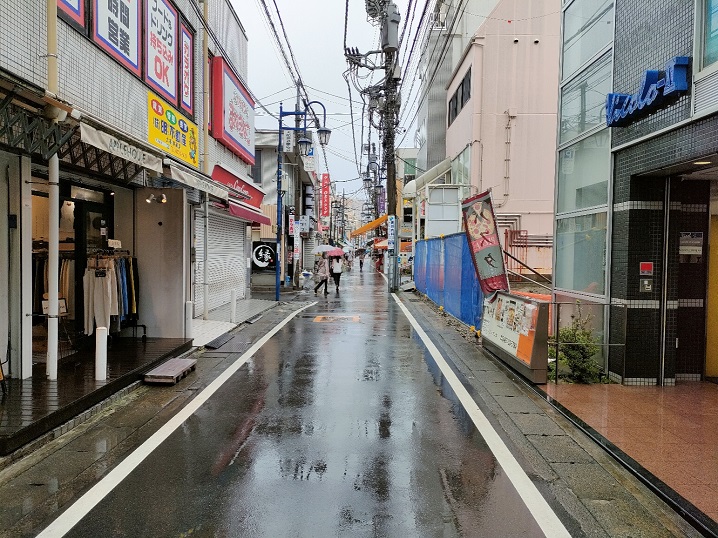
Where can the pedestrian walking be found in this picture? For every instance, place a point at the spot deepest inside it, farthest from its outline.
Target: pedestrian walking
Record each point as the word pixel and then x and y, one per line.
pixel 337 268
pixel 322 272
pixel 361 262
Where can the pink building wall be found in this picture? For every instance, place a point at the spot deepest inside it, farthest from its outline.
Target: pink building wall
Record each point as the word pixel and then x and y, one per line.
pixel 514 58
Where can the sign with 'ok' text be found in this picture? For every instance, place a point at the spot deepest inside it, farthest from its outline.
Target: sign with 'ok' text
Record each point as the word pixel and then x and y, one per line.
pixel 161 48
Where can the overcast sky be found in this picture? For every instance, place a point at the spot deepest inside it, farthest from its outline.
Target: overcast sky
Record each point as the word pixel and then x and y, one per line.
pixel 315 29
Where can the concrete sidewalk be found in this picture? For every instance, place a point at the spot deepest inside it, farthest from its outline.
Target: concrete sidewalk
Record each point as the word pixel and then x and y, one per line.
pixel 218 322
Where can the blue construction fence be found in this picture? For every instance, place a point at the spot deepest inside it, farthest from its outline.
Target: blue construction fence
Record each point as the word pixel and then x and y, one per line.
pixel 444 272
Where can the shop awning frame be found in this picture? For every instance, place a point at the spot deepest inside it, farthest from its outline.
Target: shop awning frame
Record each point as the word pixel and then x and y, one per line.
pixel 431 175
pixel 369 226
pixel 246 212
pixel 196 180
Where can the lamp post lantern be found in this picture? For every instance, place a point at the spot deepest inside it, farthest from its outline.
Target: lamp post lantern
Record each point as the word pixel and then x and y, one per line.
pixel 305 145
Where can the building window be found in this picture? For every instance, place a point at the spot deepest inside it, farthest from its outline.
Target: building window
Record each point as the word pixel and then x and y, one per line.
pixel 583 172
pixel 583 100
pixel 587 28
pixel 581 253
pixel 460 97
pixel 466 84
pixel 710 33
pixel 256 172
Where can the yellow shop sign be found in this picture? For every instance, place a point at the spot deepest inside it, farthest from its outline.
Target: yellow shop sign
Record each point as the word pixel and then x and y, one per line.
pixel 170 131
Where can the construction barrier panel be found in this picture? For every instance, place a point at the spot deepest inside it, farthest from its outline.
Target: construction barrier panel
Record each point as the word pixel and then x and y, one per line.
pixel 444 272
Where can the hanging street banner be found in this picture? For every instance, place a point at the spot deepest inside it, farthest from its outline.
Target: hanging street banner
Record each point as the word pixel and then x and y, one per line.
pixel 170 131
pixel 483 238
pixel 326 188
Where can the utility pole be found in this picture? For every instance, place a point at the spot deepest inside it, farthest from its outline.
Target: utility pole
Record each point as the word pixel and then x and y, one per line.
pixel 299 251
pixel 390 46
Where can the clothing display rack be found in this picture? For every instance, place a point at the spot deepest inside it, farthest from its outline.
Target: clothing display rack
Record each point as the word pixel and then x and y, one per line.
pixel 111 287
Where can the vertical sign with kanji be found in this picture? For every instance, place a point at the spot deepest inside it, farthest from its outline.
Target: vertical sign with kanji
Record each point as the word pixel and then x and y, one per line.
pixel 74 9
pixel 325 195
pixel 116 29
pixel 187 76
pixel 161 48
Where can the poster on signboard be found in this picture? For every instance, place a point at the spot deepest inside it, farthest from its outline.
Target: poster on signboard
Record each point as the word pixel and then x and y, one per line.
pixel 116 29
pixel 161 48
pixel 326 191
pixel 510 323
pixel 170 131
pixel 484 245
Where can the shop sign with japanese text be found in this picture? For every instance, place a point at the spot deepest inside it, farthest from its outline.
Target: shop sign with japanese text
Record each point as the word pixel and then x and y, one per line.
pixel 170 131
pixel 326 188
pixel 116 29
pixel 161 48
pixel 187 74
pixel 232 111
pixel 74 9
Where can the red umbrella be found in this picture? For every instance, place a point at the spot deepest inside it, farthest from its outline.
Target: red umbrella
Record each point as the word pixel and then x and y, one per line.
pixel 335 252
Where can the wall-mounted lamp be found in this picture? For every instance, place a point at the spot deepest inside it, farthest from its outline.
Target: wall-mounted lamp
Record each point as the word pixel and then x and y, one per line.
pixel 161 199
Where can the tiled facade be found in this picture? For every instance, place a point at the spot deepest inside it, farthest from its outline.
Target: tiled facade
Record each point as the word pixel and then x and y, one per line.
pixel 94 82
pixel 646 39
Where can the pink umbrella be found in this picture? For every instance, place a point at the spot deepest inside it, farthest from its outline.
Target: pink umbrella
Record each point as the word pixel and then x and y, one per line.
pixel 335 252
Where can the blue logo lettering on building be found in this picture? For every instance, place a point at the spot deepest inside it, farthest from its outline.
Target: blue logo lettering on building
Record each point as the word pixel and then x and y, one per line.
pixel 658 89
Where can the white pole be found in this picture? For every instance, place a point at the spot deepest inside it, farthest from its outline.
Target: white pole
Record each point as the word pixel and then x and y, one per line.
pixel 53 267
pixel 233 308
pixel 188 321
pixel 205 272
pixel 100 354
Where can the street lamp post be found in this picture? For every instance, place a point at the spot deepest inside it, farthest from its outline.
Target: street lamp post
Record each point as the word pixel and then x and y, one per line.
pixel 304 146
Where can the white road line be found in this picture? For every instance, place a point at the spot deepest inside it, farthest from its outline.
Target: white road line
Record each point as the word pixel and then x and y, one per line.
pixel 537 505
pixel 70 517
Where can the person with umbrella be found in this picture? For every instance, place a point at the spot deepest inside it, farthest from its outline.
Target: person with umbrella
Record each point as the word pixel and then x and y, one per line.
pixel 337 268
pixel 322 271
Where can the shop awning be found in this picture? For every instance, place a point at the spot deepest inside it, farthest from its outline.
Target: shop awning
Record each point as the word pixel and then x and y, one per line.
pixel 197 181
pixel 120 148
pixel 370 226
pixel 243 211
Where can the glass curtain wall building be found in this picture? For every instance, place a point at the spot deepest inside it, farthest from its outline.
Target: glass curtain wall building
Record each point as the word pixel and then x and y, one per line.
pixel 583 178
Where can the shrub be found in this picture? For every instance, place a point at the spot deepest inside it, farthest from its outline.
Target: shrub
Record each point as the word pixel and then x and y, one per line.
pixel 577 346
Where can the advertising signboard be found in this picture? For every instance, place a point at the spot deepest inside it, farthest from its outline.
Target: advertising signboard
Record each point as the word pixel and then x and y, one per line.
pixel 116 29
pixel 187 90
pixel 170 131
pixel 232 111
pixel 516 330
pixel 161 48
pixel 74 10
pixel 325 199
pixel 486 251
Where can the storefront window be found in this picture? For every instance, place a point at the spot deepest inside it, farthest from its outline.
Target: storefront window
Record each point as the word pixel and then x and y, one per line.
pixel 710 33
pixel 581 253
pixel 587 28
pixel 583 173
pixel 583 101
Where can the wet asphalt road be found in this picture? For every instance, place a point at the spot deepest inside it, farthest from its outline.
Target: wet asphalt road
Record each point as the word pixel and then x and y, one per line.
pixel 337 426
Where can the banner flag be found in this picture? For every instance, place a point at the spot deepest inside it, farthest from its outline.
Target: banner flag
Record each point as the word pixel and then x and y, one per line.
pixel 483 238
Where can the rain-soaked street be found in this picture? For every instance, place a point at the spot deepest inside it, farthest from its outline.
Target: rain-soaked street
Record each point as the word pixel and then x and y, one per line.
pixel 330 416
pixel 335 426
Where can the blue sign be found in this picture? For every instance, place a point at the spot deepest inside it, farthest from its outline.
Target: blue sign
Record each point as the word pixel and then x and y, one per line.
pixel 658 90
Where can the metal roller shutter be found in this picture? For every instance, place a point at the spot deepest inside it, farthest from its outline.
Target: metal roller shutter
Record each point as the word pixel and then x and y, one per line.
pixel 309 245
pixel 226 264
